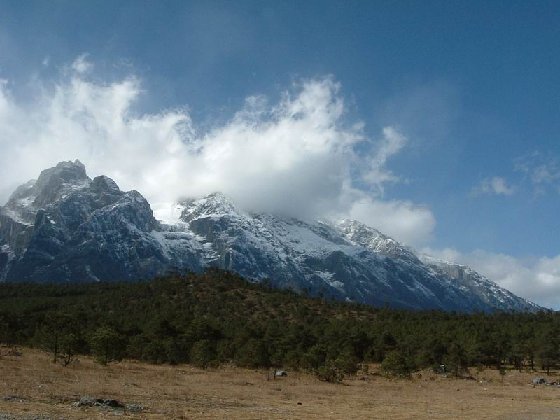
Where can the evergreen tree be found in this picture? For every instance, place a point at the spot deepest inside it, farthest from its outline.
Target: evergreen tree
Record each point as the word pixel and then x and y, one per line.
pixel 107 345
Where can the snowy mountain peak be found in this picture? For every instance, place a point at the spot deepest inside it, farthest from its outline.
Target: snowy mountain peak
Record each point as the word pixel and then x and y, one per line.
pixel 213 205
pixel 104 184
pixel 52 185
pixel 20 204
pixel 370 238
pixel 59 181
pixel 21 192
pixel 64 173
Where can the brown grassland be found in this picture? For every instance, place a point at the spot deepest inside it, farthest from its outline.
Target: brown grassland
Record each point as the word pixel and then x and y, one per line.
pixel 31 386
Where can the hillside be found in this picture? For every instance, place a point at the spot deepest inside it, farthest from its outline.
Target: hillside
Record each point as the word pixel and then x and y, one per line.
pixel 217 317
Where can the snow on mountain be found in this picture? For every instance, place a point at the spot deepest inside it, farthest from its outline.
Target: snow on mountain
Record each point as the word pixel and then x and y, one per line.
pixel 370 238
pixel 67 227
pixel 477 284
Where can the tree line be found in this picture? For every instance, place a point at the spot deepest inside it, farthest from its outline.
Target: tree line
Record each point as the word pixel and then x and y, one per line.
pixel 217 317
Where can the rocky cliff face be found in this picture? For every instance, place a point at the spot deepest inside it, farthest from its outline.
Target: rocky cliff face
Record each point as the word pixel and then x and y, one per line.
pixel 68 227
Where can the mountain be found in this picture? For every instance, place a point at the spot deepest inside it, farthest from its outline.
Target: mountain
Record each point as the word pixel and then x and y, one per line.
pixel 67 227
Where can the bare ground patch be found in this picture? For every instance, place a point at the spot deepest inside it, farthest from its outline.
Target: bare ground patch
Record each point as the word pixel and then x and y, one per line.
pixel 32 387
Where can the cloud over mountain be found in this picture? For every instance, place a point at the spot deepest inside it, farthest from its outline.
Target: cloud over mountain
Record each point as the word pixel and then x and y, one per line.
pixel 298 157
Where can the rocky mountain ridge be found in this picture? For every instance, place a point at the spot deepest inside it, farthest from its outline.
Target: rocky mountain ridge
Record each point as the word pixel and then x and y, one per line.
pixel 68 227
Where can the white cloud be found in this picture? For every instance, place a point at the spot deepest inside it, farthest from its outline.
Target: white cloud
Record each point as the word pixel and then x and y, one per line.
pixel 404 220
pixel 537 279
pixel 494 186
pixel 295 157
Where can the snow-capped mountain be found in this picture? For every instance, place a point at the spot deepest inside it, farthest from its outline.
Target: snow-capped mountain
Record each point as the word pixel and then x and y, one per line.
pixel 68 227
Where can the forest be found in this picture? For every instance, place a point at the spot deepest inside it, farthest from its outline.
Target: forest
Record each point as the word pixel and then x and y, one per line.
pixel 217 318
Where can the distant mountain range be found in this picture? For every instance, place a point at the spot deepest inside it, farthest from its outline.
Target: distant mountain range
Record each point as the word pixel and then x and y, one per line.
pixel 67 227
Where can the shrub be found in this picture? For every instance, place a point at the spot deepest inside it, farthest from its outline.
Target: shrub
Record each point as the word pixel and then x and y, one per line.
pixel 329 373
pixel 107 345
pixel 395 364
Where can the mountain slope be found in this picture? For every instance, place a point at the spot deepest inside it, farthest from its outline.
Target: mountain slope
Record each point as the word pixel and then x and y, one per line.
pixel 346 260
pixel 67 227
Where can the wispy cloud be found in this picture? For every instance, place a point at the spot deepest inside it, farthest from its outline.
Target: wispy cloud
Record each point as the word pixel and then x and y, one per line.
pixel 81 65
pixel 378 175
pixel 493 186
pixel 542 171
pixel 298 156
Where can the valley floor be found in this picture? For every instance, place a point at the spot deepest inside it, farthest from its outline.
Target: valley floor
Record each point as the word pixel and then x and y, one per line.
pixel 32 387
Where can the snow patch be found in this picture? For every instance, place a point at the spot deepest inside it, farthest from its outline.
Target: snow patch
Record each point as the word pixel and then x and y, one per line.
pixel 327 277
pixel 15 216
pixel 170 214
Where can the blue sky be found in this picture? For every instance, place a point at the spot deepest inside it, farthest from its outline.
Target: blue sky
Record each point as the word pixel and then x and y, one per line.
pixel 473 87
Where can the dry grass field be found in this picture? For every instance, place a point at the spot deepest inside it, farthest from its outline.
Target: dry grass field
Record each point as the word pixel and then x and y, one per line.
pixel 32 387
